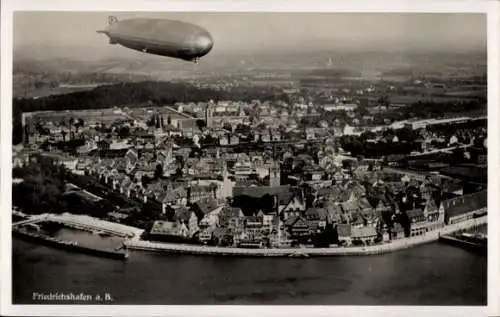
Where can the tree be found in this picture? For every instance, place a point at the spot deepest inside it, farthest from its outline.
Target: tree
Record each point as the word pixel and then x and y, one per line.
pixel 179 159
pixel 227 127
pixel 367 135
pixel 299 167
pixel 406 134
pixel 157 121
pixel 178 173
pixel 458 155
pixel 145 180
pixel 287 164
pixel 226 240
pixel 124 132
pixel 153 121
pixel 384 100
pixel 201 124
pixel 208 139
pixel 242 128
pixel 42 188
pixel 158 171
pixel 78 123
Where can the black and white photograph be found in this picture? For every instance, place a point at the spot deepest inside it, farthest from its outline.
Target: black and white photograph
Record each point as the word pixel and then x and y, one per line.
pixel 258 158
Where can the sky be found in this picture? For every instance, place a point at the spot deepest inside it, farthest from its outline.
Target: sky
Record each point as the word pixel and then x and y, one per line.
pixel 266 32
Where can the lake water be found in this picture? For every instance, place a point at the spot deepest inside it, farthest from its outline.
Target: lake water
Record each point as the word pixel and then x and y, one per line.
pixel 89 239
pixel 433 274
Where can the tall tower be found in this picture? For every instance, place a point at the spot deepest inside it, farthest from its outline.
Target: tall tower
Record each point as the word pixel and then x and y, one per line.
pixel 208 112
pixel 26 125
pixel 227 184
pixel 274 174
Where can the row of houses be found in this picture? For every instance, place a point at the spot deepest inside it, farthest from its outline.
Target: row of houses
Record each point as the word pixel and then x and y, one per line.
pixel 166 193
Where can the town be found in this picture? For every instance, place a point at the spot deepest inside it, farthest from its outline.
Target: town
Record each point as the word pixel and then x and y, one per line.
pixel 257 173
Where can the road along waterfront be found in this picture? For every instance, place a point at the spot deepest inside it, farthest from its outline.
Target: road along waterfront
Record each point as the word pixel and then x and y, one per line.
pixel 133 241
pixel 432 236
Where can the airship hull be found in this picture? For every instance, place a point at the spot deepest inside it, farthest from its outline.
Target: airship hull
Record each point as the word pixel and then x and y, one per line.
pixel 169 38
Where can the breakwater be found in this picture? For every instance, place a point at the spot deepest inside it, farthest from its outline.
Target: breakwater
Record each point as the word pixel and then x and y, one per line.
pixel 432 236
pixel 67 245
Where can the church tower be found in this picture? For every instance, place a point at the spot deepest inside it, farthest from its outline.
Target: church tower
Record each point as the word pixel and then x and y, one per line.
pixel 227 184
pixel 209 108
pixel 274 174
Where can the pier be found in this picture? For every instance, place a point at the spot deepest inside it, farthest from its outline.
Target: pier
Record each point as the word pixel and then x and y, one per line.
pixel 85 223
pixel 71 246
pixel 472 243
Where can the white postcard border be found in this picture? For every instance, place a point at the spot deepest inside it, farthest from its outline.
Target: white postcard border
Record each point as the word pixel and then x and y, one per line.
pixel 491 7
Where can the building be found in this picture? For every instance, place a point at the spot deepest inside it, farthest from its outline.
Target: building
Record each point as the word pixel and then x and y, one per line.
pixel 184 216
pixel 222 236
pixel 364 235
pixel 67 161
pixel 169 229
pixel 205 235
pixel 228 213
pixel 201 192
pixel 207 210
pixel 252 232
pixel 340 107
pixel 274 175
pixel 417 125
pixel 317 219
pixel 344 234
pixel 433 215
pixel 297 227
pixel 418 222
pixel 173 197
pixel 465 207
pixel 293 208
pixel 422 124
pixel 397 232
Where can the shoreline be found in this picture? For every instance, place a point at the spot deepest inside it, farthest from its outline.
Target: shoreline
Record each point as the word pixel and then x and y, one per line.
pixel 396 245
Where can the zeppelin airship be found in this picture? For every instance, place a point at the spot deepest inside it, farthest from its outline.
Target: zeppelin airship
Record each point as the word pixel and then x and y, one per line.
pixel 170 38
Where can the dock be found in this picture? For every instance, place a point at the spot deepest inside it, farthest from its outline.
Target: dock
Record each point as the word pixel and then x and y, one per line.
pixel 471 243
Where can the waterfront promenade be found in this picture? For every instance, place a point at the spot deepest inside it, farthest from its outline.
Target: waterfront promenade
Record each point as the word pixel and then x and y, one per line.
pixel 136 244
pixel 133 241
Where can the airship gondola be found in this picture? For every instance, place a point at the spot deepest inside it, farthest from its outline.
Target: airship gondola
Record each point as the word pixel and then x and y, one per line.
pixel 170 38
